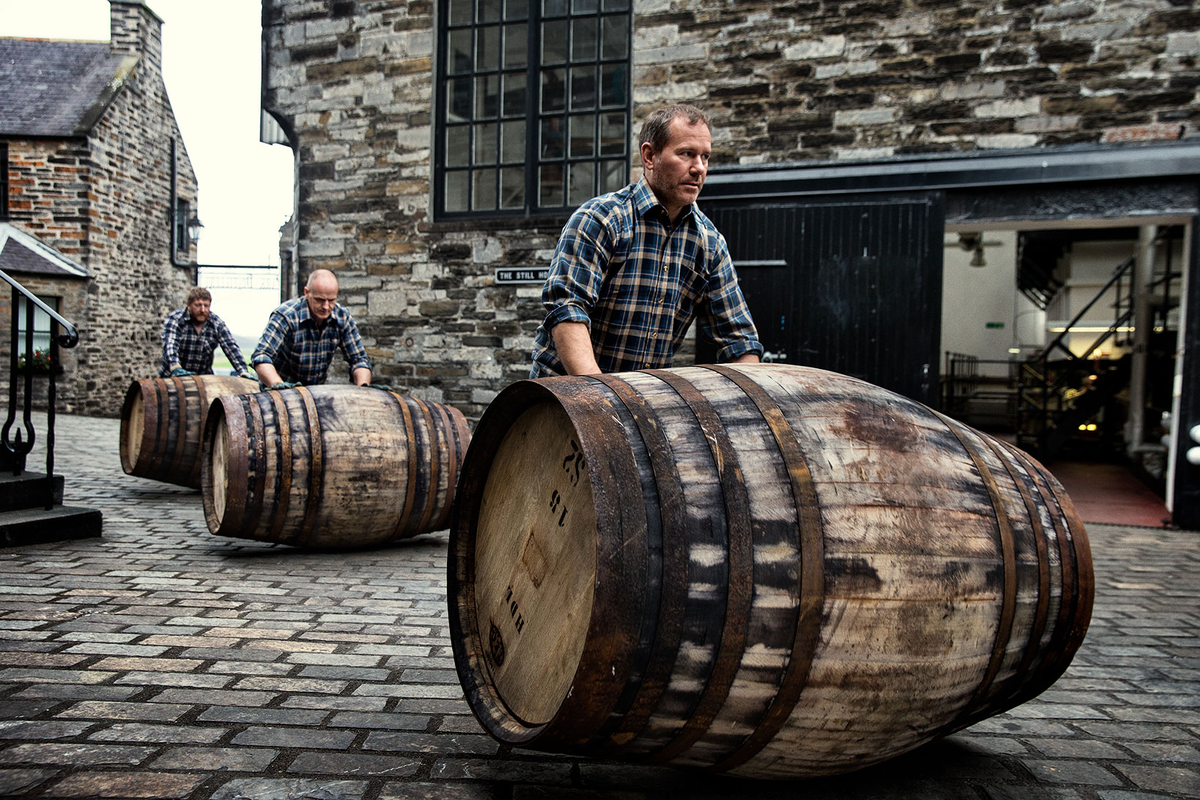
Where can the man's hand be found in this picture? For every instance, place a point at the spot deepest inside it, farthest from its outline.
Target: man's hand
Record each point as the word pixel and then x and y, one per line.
pixel 278 387
pixel 179 372
pixel 248 375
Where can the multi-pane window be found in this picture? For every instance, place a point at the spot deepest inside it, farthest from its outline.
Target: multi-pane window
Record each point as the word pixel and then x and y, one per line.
pixel 40 323
pixel 182 243
pixel 533 113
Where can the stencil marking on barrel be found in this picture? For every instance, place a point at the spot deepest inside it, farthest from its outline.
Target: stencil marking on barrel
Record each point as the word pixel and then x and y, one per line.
pixel 630 717
pixel 811 575
pixel 1008 554
pixel 284 454
pixel 741 568
pixel 536 517
pixel 316 472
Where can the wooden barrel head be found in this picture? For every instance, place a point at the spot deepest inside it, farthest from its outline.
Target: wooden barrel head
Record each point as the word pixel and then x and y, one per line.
pixel 536 563
pixel 217 479
pixel 133 424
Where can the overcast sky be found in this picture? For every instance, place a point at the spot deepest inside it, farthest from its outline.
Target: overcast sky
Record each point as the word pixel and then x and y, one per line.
pixel 211 66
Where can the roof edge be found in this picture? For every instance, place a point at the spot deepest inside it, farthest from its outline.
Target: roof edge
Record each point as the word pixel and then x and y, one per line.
pixel 96 110
pixel 1082 164
pixel 41 249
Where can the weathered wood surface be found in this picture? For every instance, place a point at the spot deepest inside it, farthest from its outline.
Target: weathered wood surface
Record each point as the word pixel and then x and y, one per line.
pixel 788 572
pixel 330 466
pixel 162 423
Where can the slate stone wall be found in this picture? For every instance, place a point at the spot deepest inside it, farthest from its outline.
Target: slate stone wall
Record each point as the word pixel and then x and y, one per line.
pixel 784 81
pixel 103 202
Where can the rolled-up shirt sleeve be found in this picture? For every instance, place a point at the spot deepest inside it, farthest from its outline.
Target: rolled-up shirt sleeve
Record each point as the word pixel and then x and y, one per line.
pixel 352 346
pixel 728 322
pixel 272 340
pixel 170 339
pixel 576 272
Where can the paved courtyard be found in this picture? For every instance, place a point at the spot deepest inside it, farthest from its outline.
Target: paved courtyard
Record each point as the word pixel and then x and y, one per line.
pixel 161 661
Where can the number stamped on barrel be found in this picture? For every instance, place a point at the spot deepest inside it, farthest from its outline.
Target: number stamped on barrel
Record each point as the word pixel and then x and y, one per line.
pixel 550 537
pixel 573 467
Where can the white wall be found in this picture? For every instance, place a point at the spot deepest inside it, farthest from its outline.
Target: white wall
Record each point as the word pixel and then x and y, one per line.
pixel 973 297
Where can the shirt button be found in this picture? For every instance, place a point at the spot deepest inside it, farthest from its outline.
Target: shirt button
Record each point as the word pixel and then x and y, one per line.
pixel 654 335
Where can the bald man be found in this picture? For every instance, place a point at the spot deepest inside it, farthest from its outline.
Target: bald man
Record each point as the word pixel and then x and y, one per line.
pixel 301 335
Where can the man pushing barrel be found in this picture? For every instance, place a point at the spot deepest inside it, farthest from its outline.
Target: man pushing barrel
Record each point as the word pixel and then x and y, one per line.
pixel 301 335
pixel 634 268
pixel 191 334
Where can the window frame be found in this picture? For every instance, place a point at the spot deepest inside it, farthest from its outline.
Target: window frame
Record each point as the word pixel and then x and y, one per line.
pixel 532 114
pixel 42 323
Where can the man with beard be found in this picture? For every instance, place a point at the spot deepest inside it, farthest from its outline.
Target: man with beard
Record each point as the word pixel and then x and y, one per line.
pixel 191 334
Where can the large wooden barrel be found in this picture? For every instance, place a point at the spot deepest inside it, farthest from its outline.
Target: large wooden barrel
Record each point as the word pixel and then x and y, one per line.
pixel 162 422
pixel 330 466
pixel 765 570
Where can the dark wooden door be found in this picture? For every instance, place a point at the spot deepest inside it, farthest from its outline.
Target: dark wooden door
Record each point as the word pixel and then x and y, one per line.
pixel 850 285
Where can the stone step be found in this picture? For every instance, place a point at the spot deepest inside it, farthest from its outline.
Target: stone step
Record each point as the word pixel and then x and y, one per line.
pixel 27 490
pixel 39 525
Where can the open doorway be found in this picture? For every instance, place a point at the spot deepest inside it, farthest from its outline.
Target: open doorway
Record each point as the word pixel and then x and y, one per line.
pixel 1064 340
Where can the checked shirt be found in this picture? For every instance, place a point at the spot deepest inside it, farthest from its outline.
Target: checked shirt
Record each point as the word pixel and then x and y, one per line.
pixel 638 284
pixel 193 351
pixel 301 350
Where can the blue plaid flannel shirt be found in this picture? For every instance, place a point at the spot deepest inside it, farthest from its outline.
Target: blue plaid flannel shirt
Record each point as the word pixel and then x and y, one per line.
pixel 193 351
pixel 621 269
pixel 300 350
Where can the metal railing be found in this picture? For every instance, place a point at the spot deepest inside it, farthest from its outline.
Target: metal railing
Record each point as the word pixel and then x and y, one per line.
pixel 1047 387
pixel 22 367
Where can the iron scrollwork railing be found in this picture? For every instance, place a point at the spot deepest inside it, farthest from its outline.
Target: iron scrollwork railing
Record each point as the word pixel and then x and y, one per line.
pixel 22 366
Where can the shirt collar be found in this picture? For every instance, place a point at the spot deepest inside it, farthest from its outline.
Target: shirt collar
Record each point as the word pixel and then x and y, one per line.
pixel 304 314
pixel 644 201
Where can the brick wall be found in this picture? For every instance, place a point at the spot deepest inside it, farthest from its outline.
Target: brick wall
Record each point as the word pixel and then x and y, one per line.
pixel 785 82
pixel 103 202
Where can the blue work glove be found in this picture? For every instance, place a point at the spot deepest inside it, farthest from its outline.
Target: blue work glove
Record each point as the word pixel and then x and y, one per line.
pixel 284 385
pixel 248 375
pixel 378 386
pixel 179 372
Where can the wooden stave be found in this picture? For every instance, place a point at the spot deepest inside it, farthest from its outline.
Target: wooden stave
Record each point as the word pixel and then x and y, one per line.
pixel 560 734
pixel 285 459
pixel 174 410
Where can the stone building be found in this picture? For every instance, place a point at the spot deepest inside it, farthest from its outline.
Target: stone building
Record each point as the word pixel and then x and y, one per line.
pixel 440 146
pixel 87 137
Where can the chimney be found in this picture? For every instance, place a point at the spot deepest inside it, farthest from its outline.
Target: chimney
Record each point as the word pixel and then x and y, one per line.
pixel 135 30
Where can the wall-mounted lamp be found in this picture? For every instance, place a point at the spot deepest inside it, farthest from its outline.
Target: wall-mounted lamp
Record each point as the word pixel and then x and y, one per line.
pixel 193 228
pixel 973 241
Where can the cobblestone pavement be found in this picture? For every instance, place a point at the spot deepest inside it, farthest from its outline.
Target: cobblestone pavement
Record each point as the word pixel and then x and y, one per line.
pixel 162 661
